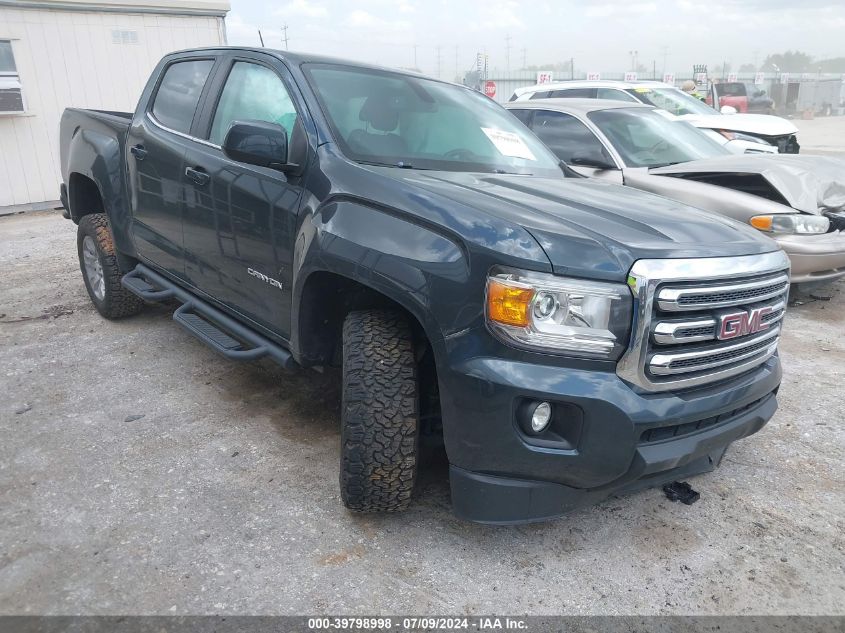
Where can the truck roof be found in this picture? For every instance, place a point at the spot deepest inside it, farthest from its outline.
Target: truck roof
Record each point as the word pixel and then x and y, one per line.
pixel 301 58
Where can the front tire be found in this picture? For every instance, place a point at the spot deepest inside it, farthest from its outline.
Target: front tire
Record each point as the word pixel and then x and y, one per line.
pixel 380 412
pixel 101 270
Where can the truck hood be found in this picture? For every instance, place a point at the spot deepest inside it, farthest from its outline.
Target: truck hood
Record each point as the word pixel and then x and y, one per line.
pixel 757 124
pixel 586 227
pixel 812 184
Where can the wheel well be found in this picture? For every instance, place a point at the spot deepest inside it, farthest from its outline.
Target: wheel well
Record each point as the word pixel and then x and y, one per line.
pixel 326 300
pixel 83 197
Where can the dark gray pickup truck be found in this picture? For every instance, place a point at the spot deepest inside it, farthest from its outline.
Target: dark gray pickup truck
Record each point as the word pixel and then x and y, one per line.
pixel 568 339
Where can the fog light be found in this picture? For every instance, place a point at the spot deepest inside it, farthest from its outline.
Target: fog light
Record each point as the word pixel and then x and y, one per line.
pixel 541 417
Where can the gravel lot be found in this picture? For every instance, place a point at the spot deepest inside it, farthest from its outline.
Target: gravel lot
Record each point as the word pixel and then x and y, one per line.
pixel 141 474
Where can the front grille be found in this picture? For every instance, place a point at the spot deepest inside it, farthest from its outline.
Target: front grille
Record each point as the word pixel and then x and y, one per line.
pixel 697 331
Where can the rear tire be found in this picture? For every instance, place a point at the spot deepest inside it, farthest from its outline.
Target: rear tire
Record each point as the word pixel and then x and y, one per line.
pixel 100 269
pixel 380 412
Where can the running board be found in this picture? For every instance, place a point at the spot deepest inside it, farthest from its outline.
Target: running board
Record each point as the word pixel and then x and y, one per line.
pixel 210 325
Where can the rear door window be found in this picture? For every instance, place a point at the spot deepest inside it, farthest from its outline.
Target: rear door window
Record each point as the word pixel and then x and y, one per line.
pixel 615 95
pixel 574 93
pixel 179 93
pixel 566 136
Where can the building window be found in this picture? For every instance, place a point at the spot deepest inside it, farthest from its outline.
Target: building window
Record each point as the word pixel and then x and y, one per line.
pixel 124 37
pixel 11 94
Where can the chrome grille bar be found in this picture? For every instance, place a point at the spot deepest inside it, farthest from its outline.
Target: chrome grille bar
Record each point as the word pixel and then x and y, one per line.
pixel 720 296
pixel 668 364
pixel 676 332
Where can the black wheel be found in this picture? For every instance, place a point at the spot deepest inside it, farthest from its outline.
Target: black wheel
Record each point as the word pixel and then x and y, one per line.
pixel 101 271
pixel 380 412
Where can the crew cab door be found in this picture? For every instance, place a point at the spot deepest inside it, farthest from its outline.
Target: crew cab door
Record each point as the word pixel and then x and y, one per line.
pixel 156 147
pixel 240 219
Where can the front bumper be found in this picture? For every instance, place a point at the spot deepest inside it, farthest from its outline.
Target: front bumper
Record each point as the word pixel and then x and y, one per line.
pixel 628 439
pixel 815 258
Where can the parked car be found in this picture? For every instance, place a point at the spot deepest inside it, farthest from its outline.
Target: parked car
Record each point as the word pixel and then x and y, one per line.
pixel 753 128
pixel 743 97
pixel 413 233
pixel 798 200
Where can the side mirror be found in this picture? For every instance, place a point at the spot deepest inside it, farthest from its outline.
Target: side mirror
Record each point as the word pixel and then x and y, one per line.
pixel 726 109
pixel 583 159
pixel 258 143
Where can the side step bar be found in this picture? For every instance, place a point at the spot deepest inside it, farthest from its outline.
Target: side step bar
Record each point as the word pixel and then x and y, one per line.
pixel 210 325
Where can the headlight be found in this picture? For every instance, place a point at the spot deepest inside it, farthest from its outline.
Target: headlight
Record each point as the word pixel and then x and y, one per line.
pixel 739 136
pixel 790 223
pixel 559 314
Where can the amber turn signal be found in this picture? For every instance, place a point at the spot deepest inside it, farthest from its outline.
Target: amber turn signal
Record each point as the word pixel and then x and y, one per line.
pixel 508 304
pixel 762 222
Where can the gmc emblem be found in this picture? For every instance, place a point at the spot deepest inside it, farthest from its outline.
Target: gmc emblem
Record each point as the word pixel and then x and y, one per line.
pixel 742 323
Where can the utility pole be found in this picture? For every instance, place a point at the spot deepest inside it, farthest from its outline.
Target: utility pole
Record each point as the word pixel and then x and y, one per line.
pixel 572 68
pixel 285 35
pixel 665 50
pixel 508 54
pixel 415 58
pixel 260 38
pixel 438 62
pixel 524 59
pixel 457 66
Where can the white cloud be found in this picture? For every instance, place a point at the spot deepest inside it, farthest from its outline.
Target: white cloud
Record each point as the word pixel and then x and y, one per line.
pixel 302 8
pixel 363 20
pixel 613 8
pixel 503 14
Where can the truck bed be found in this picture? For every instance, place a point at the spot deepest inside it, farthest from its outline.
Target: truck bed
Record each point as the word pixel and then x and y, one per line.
pixel 105 129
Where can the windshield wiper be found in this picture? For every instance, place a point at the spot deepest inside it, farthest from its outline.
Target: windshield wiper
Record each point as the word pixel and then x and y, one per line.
pixel 400 165
pixel 510 173
pixel 671 162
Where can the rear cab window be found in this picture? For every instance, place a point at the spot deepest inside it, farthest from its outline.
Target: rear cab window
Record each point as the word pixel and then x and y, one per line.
pixel 178 93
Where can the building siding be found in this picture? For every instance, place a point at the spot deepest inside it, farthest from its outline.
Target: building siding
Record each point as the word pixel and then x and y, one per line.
pixel 68 59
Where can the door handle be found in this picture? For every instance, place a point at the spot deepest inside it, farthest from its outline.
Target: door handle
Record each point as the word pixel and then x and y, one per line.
pixel 138 152
pixel 198 175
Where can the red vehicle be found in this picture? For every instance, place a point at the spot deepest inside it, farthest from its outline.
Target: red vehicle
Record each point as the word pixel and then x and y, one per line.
pixel 744 97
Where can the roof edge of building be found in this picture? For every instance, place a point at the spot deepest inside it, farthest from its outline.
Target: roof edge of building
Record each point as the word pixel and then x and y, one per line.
pixel 217 8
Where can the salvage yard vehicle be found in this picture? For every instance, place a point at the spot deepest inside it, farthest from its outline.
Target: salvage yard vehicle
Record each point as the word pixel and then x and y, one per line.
pixel 761 129
pixel 742 96
pixel 569 338
pixel 797 200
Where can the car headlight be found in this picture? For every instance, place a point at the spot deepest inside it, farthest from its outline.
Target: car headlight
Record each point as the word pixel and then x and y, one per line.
pixel 559 314
pixel 739 136
pixel 791 223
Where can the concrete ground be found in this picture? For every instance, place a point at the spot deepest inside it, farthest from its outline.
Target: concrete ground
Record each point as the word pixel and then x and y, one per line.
pixel 824 135
pixel 142 474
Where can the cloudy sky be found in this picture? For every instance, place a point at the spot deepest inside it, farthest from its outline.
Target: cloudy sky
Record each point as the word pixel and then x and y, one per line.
pixel 598 34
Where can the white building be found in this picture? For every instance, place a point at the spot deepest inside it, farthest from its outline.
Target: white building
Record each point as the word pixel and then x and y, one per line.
pixel 96 54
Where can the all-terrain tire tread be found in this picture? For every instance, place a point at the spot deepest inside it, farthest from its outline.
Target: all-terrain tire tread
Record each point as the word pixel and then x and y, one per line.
pixel 379 419
pixel 118 301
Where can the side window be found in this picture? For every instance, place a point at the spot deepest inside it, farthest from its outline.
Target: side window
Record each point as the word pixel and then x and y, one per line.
pixel 523 115
pixel 252 92
pixel 615 95
pixel 179 93
pixel 543 94
pixel 574 93
pixel 11 92
pixel 566 136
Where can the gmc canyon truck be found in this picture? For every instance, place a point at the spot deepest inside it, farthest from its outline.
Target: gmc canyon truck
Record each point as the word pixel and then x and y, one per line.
pixel 569 339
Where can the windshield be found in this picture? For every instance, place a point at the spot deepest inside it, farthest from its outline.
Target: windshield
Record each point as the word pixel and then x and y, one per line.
pixel 399 120
pixel 673 100
pixel 645 138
